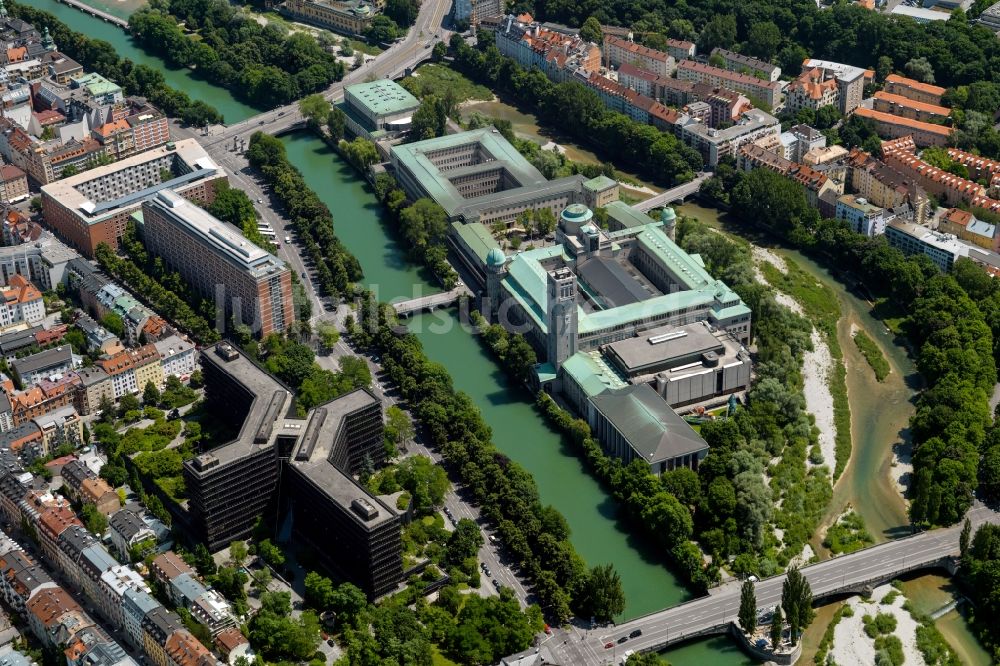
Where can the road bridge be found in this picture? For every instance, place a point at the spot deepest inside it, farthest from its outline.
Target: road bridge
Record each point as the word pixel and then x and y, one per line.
pixel 672 195
pixel 711 615
pixel 104 16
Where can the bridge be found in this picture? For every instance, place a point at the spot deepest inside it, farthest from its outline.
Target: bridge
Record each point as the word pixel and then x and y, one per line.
pixel 712 615
pixel 444 299
pixel 678 193
pixel 104 16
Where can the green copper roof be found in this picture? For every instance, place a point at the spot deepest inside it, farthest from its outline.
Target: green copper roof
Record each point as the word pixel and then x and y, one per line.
pixel 478 239
pixel 590 371
pixel 689 273
pixel 600 183
pixel 626 216
pixel 383 97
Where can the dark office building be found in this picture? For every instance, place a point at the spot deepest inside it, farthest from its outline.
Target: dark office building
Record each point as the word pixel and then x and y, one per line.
pixel 356 535
pixel 230 486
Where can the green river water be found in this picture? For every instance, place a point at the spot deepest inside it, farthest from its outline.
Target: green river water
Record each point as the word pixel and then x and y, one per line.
pixel 597 532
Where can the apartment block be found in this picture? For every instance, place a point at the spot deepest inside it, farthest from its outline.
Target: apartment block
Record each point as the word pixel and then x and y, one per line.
pixel 905 107
pixel 915 90
pixel 768 92
pixel 131 369
pixel 850 81
pixel 561 56
pixel 895 127
pixel 20 303
pixel 178 356
pixel 884 186
pixel 618 51
pixel 737 62
pixel 94 206
pixel 139 127
pixel 35 367
pixel 218 262
pixel 864 217
pixel 968 227
pixel 87 488
pixel 127 531
pixel 980 168
pixel 676 92
pixel 945 186
pixel 13 184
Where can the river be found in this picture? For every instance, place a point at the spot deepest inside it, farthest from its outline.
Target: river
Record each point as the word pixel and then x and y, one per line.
pixel 180 78
pixel 597 532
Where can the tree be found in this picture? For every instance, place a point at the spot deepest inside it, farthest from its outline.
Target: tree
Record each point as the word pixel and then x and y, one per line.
pixel 920 69
pixel 429 120
pixel 348 602
pixel 319 591
pixel 748 607
pixel 464 541
pixel 336 123
pixel 440 50
pixel 382 29
pixel 603 593
pixel 96 522
pixel 315 109
pixel 964 539
pixel 777 624
pixel 719 31
pixel 151 394
pixel 423 224
pixel 128 403
pixel 796 600
pixel 238 552
pixel 114 324
pixel 591 31
pixel 403 12
pixel 398 428
pixel 764 40
pixel 115 475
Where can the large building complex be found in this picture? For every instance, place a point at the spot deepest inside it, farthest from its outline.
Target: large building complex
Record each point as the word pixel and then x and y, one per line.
pixel 629 326
pixel 94 206
pixel 768 92
pixel 356 534
pixel 618 51
pixel 896 127
pixel 350 17
pixel 479 176
pixel 737 62
pixel 219 262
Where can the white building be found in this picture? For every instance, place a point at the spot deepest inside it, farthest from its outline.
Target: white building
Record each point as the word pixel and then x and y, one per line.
pixel 114 582
pixel 178 357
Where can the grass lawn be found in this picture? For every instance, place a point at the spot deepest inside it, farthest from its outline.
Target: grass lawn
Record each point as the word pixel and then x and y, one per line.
pixel 435 79
pixel 364 47
pixel 438 659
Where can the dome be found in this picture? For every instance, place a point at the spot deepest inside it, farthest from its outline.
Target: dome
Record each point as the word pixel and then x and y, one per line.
pixel 576 213
pixel 668 215
pixel 495 257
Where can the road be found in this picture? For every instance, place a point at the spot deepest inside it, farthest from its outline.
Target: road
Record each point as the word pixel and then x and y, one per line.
pixel 391 63
pixel 712 614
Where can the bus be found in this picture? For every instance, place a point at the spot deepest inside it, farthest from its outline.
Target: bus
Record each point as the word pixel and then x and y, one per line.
pixel 267 232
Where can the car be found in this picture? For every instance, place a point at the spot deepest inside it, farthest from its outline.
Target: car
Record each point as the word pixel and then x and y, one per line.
pixel 608 645
pixel 496 584
pixel 548 630
pixel 330 642
pixel 753 579
pixel 303 275
pixel 281 114
pixel 486 570
pixel 261 122
pixel 636 633
pixel 288 239
pixel 622 640
pixel 259 200
pixel 482 565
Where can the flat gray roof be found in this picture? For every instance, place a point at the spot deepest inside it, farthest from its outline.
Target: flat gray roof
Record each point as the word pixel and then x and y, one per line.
pixel 271 403
pixel 312 458
pixel 661 344
pixel 43 359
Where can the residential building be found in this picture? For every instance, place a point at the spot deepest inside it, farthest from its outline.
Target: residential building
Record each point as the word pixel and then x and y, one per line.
pixel 93 647
pixel 99 88
pixel 94 206
pixel 943 249
pixel 864 217
pixel 676 92
pixel 128 530
pixel 178 357
pixel 716 144
pixel 946 187
pixel 799 140
pixel 136 605
pixel 13 184
pixel 62 68
pixel 207 607
pixel 24 440
pixel 138 127
pixel 349 17
pixel 905 107
pixel 884 186
pixel 87 488
pixel 94 562
pixel 560 56
pixel 40 257
pixel 768 92
pixel 990 17
pixel 167 566
pixel 815 183
pixel 54 617
pixel 378 108
pixel 232 645
pixel 21 304
pixel 99 339
pixel 737 62
pixel 95 385
pixel 915 90
pixel 130 370
pixel 895 127
pixel 850 81
pixel 72 542
pixel 218 262
pixel 21 578
pixel 183 649
pixel 158 625
pixel 114 583
pixel 58 427
pixel 980 168
pixel 618 51
pixel 968 227
pixel 31 369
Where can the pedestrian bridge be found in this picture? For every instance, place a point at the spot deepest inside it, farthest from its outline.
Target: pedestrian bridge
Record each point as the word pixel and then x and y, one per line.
pixel 844 575
pixel 672 195
pixel 104 16
pixel 432 302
